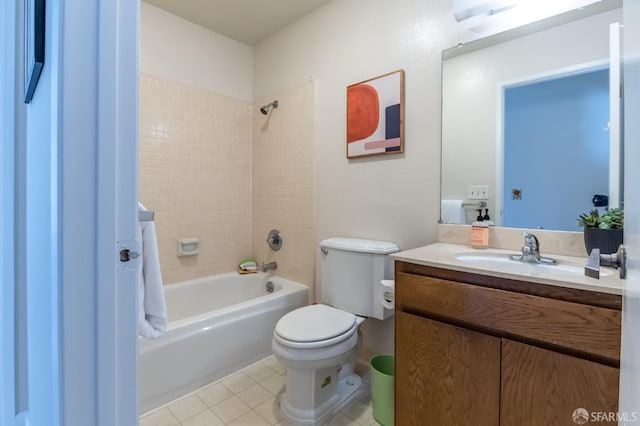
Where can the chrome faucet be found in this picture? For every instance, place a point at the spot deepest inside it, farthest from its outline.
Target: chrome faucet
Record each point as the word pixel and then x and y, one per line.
pixel 531 251
pixel 268 266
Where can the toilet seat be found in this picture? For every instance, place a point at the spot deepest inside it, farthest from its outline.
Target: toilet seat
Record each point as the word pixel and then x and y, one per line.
pixel 315 326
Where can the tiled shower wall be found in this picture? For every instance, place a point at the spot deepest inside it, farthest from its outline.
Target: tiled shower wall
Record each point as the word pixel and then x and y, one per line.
pixel 283 182
pixel 195 173
pixel 205 178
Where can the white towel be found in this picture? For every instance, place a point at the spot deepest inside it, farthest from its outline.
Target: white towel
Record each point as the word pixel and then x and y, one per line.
pixel 152 309
pixel 451 211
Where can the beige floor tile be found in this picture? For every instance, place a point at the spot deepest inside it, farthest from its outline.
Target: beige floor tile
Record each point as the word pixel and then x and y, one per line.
pixel 273 363
pixel 254 395
pixel 359 412
pixel 230 409
pixel 238 382
pixel 215 393
pixel 206 418
pixel 187 407
pixel 162 417
pixel 259 371
pixel 270 411
pixel 250 419
pixel 285 422
pixel 340 420
pixel 365 392
pixel 274 384
pixel 230 400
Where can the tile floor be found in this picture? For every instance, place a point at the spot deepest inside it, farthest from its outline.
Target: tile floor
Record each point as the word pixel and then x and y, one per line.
pixel 248 397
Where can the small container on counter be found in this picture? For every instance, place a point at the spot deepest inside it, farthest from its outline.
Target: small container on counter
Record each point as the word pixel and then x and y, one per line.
pixel 480 234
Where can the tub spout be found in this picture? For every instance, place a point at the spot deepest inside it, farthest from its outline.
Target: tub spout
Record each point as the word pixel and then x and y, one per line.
pixel 268 266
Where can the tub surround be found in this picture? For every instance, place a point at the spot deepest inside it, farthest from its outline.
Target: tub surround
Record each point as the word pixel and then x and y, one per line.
pixel 195 173
pixel 214 168
pixel 282 182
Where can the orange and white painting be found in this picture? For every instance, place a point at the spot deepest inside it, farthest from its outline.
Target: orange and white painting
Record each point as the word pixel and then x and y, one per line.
pixel 375 116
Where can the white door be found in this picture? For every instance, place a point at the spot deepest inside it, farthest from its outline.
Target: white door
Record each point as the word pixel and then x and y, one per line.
pixel 117 294
pixel 7 274
pixel 98 72
pixel 630 356
pixel 70 190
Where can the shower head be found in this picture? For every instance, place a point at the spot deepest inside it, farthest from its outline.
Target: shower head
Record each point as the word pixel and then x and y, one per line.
pixel 265 109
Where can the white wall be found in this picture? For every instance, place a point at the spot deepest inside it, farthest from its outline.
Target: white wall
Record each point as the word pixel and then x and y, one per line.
pixel 393 197
pixel 178 50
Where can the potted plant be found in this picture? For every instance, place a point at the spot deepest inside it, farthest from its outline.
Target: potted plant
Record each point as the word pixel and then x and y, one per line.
pixel 603 232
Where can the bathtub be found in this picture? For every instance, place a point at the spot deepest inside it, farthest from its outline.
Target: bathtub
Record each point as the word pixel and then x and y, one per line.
pixel 217 325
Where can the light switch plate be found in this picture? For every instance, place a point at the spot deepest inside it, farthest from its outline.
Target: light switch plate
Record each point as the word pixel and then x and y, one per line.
pixel 478 192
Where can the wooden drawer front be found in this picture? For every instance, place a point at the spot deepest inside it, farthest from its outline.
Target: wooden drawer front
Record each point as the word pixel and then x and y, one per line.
pixel 542 388
pixel 587 329
pixel 445 375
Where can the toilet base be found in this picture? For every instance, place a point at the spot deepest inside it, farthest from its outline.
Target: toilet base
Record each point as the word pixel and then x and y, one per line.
pixel 347 389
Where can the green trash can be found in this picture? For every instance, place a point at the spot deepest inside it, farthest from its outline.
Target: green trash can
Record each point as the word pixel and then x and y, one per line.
pixel 382 378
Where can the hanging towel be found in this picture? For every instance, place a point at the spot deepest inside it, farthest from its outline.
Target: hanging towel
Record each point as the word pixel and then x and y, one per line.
pixel 451 211
pixel 152 309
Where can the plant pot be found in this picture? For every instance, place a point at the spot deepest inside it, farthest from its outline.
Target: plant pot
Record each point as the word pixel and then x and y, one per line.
pixel 607 240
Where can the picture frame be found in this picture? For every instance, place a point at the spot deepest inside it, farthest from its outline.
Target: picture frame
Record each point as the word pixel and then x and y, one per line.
pixel 34 40
pixel 375 116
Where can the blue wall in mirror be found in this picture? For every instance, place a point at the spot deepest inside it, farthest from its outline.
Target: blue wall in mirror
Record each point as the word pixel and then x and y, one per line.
pixel 555 131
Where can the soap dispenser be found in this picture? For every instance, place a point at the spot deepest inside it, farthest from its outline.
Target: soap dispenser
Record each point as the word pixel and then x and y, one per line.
pixel 486 218
pixel 480 232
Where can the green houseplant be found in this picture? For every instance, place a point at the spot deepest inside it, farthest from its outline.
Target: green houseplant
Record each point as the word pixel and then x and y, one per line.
pixel 604 232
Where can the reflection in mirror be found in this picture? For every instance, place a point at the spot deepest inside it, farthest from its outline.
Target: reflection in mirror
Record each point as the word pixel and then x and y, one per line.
pixel 529 118
pixel 555 138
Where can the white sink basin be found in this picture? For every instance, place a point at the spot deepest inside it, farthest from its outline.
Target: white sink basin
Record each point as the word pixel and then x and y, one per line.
pixel 501 262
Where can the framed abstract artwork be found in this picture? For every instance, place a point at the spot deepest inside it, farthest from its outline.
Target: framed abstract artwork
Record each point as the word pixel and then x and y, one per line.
pixel 375 116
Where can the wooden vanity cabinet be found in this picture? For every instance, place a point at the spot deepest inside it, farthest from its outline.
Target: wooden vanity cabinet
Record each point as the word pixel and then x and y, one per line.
pixel 479 350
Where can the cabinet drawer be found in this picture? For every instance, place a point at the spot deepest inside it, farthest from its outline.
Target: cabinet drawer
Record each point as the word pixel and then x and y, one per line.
pixel 588 331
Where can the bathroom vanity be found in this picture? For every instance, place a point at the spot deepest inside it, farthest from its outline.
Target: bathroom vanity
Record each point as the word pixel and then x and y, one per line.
pixel 498 345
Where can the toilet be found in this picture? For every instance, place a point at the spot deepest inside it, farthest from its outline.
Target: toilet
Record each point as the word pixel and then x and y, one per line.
pixel 318 344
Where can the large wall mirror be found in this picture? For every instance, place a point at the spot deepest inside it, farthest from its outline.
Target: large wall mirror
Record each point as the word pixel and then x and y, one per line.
pixel 527 113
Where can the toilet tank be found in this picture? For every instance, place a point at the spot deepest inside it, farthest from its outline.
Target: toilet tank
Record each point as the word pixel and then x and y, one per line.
pixel 351 270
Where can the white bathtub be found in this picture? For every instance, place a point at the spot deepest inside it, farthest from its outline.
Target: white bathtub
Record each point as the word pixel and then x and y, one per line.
pixel 217 325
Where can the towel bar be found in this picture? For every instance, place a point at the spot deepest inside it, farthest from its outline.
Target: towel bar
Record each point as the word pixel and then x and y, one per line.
pixel 145 216
pixel 481 204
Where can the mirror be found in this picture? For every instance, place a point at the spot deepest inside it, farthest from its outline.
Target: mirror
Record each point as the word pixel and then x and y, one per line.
pixel 531 169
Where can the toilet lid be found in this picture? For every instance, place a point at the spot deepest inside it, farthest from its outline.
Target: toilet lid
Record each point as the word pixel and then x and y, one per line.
pixel 314 323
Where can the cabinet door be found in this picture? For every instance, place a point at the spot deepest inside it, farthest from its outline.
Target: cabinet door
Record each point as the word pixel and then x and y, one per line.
pixel 445 375
pixel 542 387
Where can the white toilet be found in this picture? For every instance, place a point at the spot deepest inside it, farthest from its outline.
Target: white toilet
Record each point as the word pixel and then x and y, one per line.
pixel 317 344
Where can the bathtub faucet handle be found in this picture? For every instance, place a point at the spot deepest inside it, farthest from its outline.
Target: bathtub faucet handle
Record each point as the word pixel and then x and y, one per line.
pixel 274 240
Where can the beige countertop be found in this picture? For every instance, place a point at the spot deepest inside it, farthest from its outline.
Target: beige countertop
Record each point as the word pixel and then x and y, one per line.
pixel 565 274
